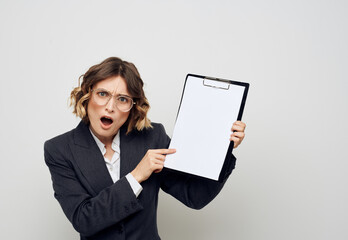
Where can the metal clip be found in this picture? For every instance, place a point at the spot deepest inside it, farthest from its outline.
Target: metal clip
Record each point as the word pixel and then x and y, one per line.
pixel 216 83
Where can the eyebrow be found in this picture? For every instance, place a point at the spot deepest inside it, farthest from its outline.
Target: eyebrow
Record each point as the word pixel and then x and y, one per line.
pixel 123 95
pixel 118 94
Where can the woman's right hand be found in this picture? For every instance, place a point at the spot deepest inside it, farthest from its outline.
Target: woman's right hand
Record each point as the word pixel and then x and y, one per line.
pixel 153 161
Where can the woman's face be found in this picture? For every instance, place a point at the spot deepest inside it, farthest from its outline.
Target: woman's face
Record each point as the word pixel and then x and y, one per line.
pixel 106 120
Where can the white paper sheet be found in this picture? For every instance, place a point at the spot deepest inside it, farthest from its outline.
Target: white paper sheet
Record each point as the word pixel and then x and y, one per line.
pixel 203 127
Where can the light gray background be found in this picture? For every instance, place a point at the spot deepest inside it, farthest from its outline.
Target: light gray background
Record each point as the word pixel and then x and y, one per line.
pixel 291 177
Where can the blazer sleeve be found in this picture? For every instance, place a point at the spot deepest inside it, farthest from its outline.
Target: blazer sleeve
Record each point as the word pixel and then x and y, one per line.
pixel 193 191
pixel 88 214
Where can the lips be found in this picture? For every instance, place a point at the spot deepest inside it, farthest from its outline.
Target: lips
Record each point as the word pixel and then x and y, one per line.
pixel 106 121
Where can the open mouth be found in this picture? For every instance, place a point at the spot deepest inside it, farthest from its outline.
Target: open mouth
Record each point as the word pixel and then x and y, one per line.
pixel 106 121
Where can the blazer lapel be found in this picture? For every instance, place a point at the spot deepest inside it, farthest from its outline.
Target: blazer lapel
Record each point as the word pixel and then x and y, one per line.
pixel 130 154
pixel 89 159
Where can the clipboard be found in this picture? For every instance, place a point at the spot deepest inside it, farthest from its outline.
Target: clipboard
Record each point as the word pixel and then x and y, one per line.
pixel 208 108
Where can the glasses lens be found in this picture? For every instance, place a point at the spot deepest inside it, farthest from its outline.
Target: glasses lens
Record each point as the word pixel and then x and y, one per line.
pixel 101 96
pixel 124 103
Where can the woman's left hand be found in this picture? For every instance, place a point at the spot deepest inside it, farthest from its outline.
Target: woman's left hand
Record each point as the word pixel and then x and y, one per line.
pixel 238 134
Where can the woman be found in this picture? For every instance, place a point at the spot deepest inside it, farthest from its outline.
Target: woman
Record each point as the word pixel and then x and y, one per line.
pixel 107 172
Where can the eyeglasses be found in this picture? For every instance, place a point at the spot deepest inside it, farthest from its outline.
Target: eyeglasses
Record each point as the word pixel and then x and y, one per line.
pixel 102 97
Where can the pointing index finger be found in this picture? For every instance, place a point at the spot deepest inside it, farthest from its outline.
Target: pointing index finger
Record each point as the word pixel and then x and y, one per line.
pixel 165 151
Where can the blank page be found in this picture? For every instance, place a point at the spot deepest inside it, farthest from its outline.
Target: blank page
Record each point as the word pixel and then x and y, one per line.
pixel 203 127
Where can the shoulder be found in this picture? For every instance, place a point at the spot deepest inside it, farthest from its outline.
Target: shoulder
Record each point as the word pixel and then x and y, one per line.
pixel 155 136
pixel 58 144
pixel 79 134
pixel 156 130
pixel 60 138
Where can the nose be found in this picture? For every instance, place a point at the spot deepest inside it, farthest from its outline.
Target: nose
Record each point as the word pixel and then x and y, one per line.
pixel 110 105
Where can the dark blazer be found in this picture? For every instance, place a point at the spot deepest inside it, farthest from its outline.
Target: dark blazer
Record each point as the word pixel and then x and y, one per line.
pixel 101 209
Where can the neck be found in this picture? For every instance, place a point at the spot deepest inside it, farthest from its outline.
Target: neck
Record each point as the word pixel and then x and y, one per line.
pixel 106 140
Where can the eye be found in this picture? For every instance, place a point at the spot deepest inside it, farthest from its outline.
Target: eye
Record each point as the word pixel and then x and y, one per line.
pixel 102 94
pixel 123 99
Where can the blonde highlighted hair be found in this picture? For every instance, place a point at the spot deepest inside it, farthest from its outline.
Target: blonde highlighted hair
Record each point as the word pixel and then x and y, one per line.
pixel 112 67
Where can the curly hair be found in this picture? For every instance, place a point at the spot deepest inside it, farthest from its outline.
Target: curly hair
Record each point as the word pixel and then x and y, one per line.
pixel 112 67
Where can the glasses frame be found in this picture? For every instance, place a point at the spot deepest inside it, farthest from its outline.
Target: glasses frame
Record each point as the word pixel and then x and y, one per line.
pixel 113 96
